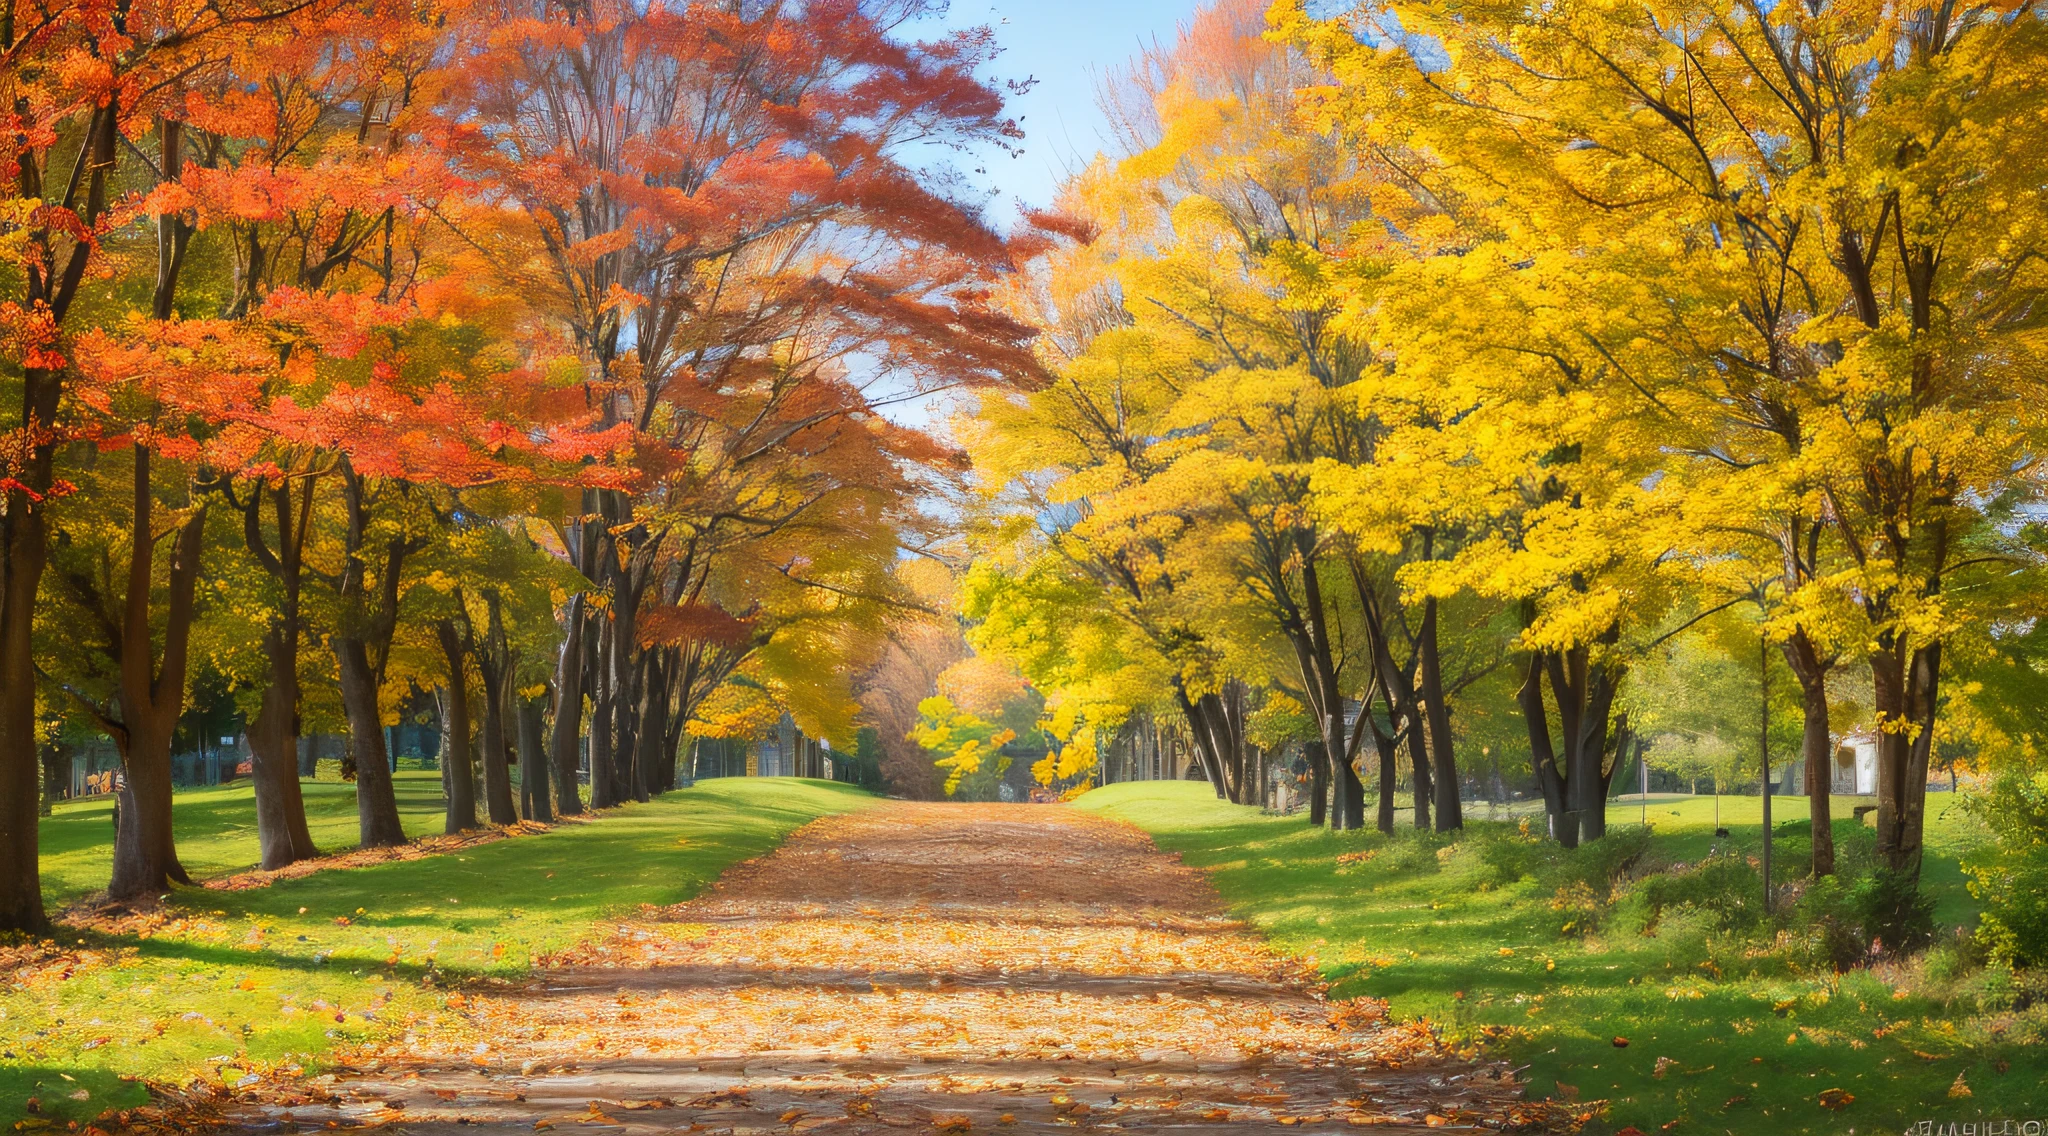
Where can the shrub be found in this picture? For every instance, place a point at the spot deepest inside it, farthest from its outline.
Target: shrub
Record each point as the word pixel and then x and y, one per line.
pixel 1827 913
pixel 1511 856
pixel 2011 873
pixel 1724 888
pixel 1579 908
pixel 1414 853
pixel 1598 864
pixel 1515 855
pixel 1897 916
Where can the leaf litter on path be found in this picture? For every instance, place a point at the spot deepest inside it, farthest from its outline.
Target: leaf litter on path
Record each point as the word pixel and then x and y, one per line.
pixel 915 967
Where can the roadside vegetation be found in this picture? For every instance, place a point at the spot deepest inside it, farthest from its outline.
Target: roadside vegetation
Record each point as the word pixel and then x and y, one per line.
pixel 220 986
pixel 1734 1021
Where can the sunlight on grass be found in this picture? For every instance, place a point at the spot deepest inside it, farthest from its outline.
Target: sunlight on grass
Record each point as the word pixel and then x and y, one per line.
pixel 286 972
pixel 1727 1036
pixel 216 829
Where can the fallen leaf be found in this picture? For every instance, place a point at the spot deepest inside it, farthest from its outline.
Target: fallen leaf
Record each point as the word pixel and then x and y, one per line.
pixel 1835 1100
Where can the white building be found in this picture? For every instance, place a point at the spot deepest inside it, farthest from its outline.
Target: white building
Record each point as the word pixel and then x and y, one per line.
pixel 1856 764
pixel 1854 772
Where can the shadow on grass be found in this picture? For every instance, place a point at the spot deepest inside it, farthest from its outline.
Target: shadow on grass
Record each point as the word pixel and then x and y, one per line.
pixel 215 828
pixel 267 973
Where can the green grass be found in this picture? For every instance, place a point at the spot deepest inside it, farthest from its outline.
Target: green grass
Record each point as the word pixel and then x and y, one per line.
pixel 275 974
pixel 216 829
pixel 1426 925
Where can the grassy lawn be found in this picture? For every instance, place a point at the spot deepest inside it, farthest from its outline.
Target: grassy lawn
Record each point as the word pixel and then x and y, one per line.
pixel 239 981
pixel 216 828
pixel 1726 1032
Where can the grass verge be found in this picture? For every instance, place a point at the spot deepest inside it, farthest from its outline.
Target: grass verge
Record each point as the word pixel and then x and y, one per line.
pixel 1734 1031
pixel 216 829
pixel 227 985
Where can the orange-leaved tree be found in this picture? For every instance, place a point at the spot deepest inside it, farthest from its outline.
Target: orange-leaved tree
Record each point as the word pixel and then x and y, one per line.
pixel 722 212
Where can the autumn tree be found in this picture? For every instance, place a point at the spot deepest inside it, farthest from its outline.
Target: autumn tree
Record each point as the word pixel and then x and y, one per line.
pixel 305 192
pixel 1837 206
pixel 723 216
pixel 81 80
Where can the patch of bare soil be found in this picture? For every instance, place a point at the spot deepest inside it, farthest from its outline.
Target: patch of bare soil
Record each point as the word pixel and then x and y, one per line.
pixel 920 968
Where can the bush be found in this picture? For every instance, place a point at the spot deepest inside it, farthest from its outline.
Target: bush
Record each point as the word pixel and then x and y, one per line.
pixel 1599 863
pixel 1723 887
pixel 2011 873
pixel 1511 856
pixel 1897 917
pixel 1828 914
pixel 1515 855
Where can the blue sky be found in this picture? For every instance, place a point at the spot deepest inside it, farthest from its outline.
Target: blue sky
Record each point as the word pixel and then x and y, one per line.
pixel 1066 45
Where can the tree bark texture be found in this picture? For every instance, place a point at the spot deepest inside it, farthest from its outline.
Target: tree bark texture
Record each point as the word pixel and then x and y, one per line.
pixel 151 695
pixel 282 835
pixel 455 755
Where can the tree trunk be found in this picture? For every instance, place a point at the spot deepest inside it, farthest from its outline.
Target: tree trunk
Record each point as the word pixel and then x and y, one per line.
pixel 151 696
pixel 1389 770
pixel 565 745
pixel 652 732
pixel 1199 736
pixel 281 832
pixel 282 836
pixel 533 766
pixel 628 691
pixel 1450 813
pixel 1318 782
pixel 1585 699
pixel 1347 805
pixel 365 628
pixel 604 785
pixel 676 737
pixel 56 758
pixel 455 758
pixel 1907 692
pixel 1423 789
pixel 1348 798
pixel 24 541
pixel 376 798
pixel 494 660
pixel 145 850
pixel 27 545
pixel 1816 746
pixel 1564 824
pixel 1889 700
pixel 496 759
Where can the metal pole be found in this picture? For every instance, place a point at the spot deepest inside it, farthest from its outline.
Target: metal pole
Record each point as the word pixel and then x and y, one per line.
pixel 1643 768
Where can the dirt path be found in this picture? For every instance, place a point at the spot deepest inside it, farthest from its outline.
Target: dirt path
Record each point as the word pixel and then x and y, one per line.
pixel 933 968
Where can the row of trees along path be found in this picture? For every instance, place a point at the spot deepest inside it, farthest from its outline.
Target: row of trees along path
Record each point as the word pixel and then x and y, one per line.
pixel 1423 375
pixel 530 352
